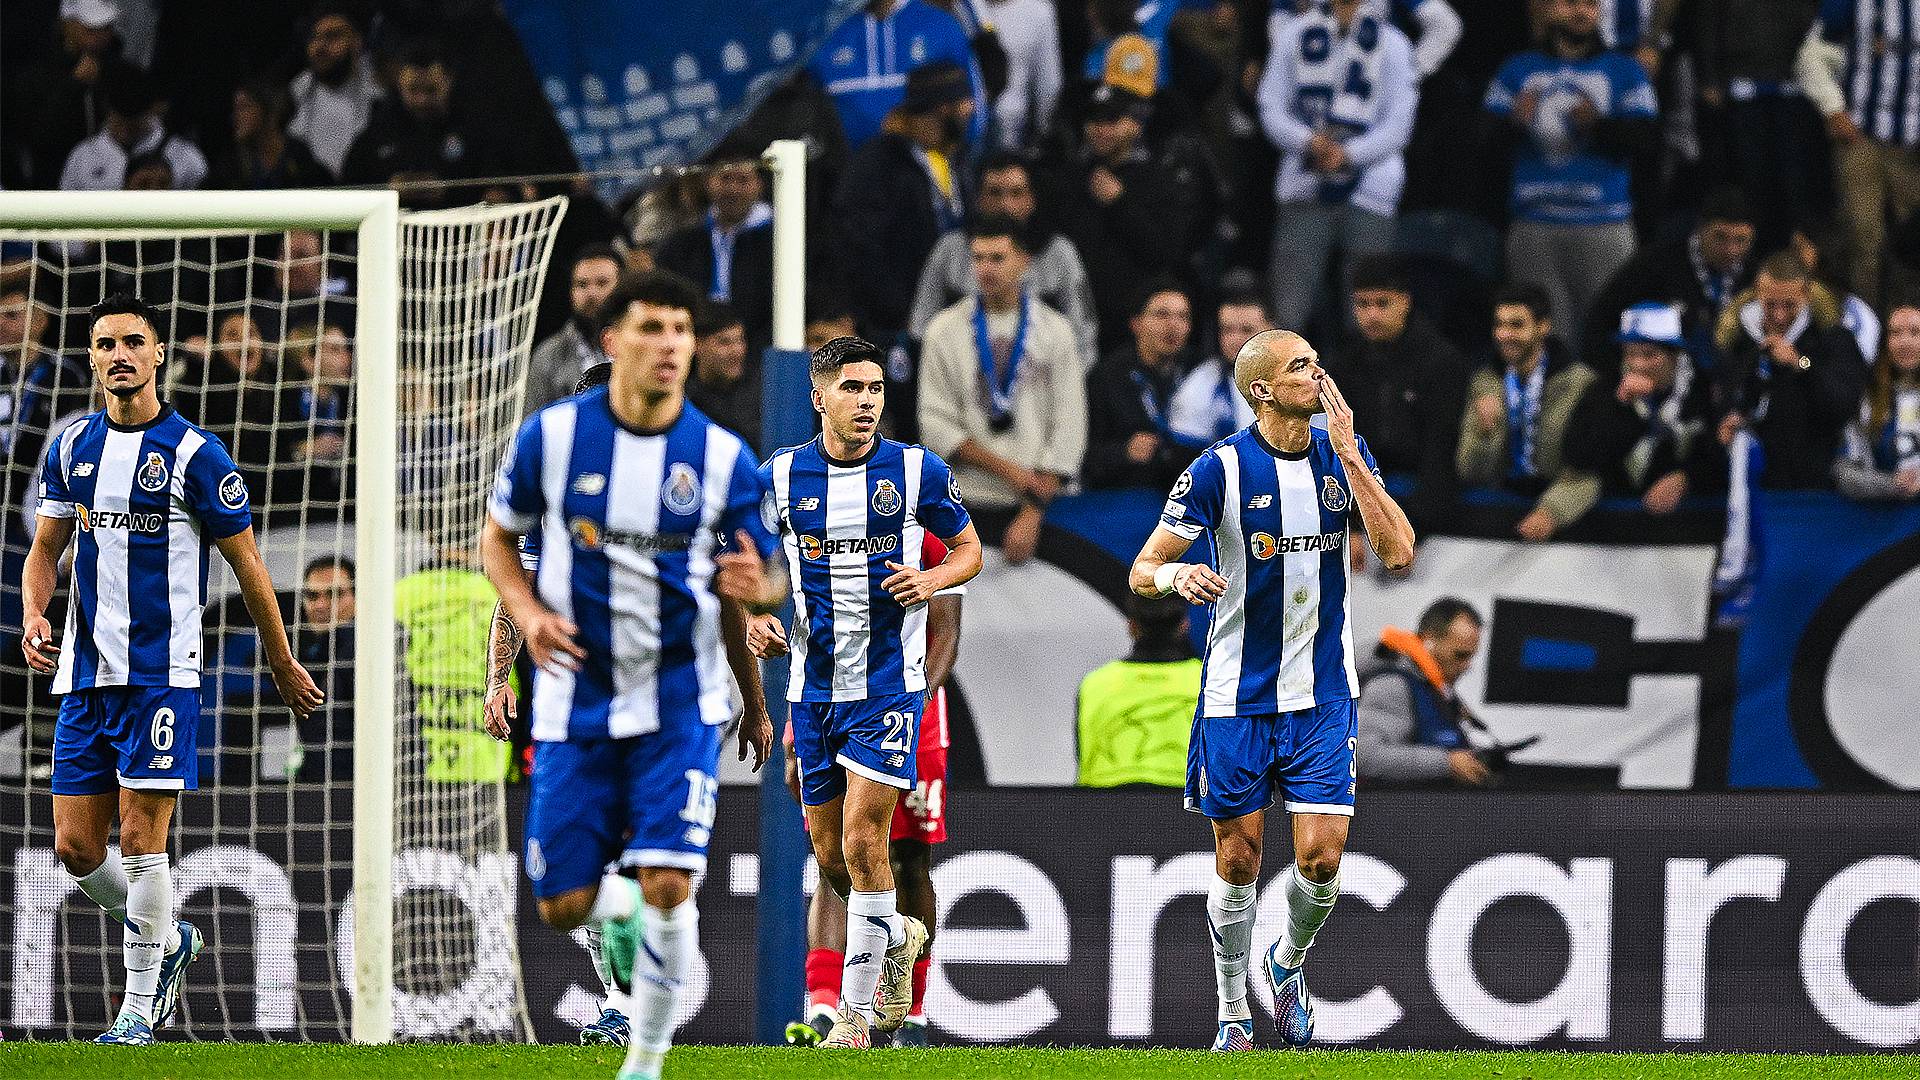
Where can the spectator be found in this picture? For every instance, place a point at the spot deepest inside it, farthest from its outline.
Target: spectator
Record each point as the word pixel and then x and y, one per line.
pixel 1406 383
pixel 1794 382
pixel 148 172
pixel 903 189
pixel 1057 278
pixel 37 386
pixel 1127 214
pixel 1439 25
pixel 1815 241
pixel 1514 431
pixel 1881 459
pixel 1134 715
pixel 1753 108
pixel 61 100
pixel 311 284
pixel 132 129
pixel 311 422
pixel 1124 52
pixel 264 156
pixel 865 64
pixel 420 139
pixel 1337 100
pixel 1205 407
pixel 232 393
pixel 1030 34
pixel 1129 441
pixel 1873 123
pixel 1649 437
pixel 1003 394
pixel 559 361
pixel 1701 271
pixel 334 96
pixel 324 641
pixel 1577 117
pixel 826 322
pixel 726 380
pixel 1410 719
pixel 730 252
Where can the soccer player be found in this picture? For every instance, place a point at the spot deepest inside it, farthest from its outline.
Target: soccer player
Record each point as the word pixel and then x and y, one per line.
pixel 919 821
pixel 632 491
pixel 1276 700
pixel 148 491
pixel 852 508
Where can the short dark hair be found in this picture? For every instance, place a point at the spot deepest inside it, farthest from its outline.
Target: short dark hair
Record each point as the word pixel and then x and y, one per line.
pixel 598 249
pixel 1442 612
pixel 994 226
pixel 715 316
pixel 598 375
pixel 129 90
pixel 828 359
pixel 1000 160
pixel 1726 203
pixel 124 303
pixel 660 288
pixel 827 307
pixel 1528 295
pixel 1380 272
pixel 422 52
pixel 329 562
pixel 1143 296
pixel 1785 266
pixel 1243 296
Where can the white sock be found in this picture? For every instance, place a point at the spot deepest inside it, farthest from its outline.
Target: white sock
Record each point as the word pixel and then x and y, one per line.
pixel 1230 918
pixel 667 940
pixel 616 901
pixel 602 968
pixel 106 885
pixel 149 928
pixel 873 924
pixel 1308 904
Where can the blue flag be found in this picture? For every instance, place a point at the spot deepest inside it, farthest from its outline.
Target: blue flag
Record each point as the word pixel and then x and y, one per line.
pixel 644 83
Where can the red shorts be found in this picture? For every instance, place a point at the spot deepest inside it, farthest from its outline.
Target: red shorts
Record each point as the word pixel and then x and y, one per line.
pixel 921 814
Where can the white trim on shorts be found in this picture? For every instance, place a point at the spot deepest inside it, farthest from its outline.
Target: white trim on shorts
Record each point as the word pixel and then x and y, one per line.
pixel 663 857
pixel 151 783
pixel 1337 809
pixel 874 775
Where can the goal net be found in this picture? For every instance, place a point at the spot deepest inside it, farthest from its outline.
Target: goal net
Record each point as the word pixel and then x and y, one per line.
pixel 270 350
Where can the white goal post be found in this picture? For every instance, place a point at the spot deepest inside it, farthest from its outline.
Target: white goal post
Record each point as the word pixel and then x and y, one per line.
pixel 454 290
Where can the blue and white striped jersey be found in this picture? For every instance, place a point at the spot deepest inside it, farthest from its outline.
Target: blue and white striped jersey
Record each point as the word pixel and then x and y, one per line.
pixel 628 527
pixel 149 501
pixel 1881 79
pixel 841 524
pixel 1281 638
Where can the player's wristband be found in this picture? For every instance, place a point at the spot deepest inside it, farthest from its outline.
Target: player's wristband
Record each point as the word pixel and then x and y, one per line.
pixel 1163 577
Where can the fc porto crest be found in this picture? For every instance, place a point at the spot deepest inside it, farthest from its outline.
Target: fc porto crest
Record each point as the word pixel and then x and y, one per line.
pixel 1332 495
pixel 682 491
pixel 886 499
pixel 153 473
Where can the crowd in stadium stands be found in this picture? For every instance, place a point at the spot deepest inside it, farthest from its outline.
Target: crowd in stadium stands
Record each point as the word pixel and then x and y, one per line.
pixel 1564 251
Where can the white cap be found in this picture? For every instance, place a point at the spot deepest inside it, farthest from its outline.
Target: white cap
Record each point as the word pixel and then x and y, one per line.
pixel 1653 324
pixel 92 14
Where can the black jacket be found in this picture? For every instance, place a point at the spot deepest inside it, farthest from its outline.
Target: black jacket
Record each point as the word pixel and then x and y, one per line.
pixel 1665 273
pixel 327 733
pixel 689 253
pixel 1407 396
pixel 395 143
pixel 884 226
pixel 1797 413
pixel 1143 233
pixel 1119 390
pixel 1605 438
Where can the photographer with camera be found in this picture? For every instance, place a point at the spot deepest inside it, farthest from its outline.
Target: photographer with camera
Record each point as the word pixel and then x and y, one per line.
pixel 1411 723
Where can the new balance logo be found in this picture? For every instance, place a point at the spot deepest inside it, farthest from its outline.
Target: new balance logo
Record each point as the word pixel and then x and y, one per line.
pixel 162 761
pixel 592 483
pixel 1259 502
pixel 896 760
pixel 83 469
pixel 807 504
pixel 860 958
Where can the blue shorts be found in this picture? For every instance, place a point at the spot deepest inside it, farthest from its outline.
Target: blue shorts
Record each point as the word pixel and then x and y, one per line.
pixel 875 738
pixel 139 737
pixel 1235 763
pixel 647 800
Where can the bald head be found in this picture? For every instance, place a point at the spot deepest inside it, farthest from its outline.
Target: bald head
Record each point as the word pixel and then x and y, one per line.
pixel 1261 356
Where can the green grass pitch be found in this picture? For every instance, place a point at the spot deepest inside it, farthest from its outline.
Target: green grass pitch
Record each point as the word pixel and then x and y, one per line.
pixel 202 1061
